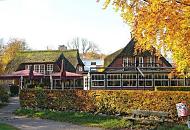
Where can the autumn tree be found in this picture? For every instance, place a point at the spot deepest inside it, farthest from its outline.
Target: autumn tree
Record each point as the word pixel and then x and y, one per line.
pixel 163 24
pixel 1 56
pixel 1 53
pixel 10 50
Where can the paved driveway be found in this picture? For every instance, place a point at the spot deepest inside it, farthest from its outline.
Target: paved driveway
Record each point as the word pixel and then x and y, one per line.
pixel 24 123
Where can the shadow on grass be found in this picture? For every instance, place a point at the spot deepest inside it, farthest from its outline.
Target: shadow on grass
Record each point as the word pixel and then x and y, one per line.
pixel 79 118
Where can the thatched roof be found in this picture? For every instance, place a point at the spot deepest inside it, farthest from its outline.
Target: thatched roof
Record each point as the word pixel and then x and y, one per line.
pixel 48 56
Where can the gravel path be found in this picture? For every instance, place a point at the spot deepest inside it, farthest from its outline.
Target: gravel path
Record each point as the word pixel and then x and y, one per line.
pixel 24 123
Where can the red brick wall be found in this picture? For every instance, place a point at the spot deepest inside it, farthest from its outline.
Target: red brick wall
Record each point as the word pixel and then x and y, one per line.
pixel 117 63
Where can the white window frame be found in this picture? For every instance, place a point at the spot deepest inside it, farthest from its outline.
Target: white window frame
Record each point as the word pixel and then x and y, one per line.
pixel 98 80
pixel 50 68
pixel 80 68
pixel 27 67
pixel 39 70
pixel 135 61
pixel 126 62
pixel 130 79
pixel 36 68
pixel 114 79
pixel 42 71
pixel 141 61
pixel 149 61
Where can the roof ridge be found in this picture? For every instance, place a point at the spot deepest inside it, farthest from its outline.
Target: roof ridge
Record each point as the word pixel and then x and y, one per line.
pixel 30 51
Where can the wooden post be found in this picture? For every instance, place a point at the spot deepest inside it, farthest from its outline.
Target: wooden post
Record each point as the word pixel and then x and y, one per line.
pixel 51 82
pixel 89 80
pixel 41 80
pixel 137 81
pixel 121 80
pixel 153 83
pixel 74 84
pixel 62 84
pixel 105 81
pixel 144 82
pixel 21 80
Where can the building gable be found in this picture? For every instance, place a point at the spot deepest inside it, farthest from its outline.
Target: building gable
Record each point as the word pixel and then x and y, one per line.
pixel 116 59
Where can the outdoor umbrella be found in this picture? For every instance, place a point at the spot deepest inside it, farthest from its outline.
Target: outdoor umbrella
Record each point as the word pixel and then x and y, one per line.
pixel 20 75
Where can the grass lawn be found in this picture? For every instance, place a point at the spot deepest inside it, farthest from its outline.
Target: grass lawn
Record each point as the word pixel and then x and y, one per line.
pixel 7 127
pixel 88 119
pixel 79 118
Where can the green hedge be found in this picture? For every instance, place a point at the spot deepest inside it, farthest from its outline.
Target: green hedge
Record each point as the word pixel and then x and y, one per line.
pixel 109 102
pixel 177 88
pixel 4 96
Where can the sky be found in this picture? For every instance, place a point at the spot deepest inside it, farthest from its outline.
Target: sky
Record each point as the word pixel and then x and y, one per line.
pixel 49 23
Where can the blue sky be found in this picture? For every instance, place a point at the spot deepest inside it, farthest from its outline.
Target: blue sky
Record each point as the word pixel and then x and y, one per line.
pixel 49 23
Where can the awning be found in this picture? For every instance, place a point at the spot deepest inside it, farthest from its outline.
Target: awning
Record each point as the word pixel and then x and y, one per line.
pixel 69 75
pixel 21 73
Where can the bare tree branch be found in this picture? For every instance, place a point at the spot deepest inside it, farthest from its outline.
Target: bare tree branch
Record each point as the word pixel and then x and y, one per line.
pixel 83 45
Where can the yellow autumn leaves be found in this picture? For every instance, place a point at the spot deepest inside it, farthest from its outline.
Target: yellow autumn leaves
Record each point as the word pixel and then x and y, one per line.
pixel 9 52
pixel 163 24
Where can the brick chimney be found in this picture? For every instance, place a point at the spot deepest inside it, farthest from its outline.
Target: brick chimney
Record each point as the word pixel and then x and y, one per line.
pixel 62 47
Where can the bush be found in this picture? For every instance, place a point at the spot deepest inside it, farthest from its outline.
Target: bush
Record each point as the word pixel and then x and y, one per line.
pixel 177 88
pixel 108 102
pixel 30 85
pixel 14 89
pixel 41 85
pixel 4 96
pixel 41 98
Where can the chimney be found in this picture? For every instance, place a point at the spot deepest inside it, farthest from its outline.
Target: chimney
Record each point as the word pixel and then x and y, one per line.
pixel 62 47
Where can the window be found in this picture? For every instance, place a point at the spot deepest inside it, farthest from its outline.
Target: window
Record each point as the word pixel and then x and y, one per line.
pixel 40 68
pixel 148 76
pixel 114 80
pixel 28 67
pixel 36 68
pixel 93 63
pixel 161 79
pixel 160 76
pixel 97 80
pixel 149 61
pixel 50 67
pixel 127 62
pixel 129 76
pixel 80 68
pixel 129 80
pixel 140 61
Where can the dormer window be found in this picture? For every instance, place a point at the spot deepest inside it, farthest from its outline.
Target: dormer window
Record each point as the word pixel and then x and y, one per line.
pixel 149 61
pixel 93 63
pixel 140 61
pixel 28 67
pixel 127 62
pixel 80 68
pixel 49 68
pixel 40 68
